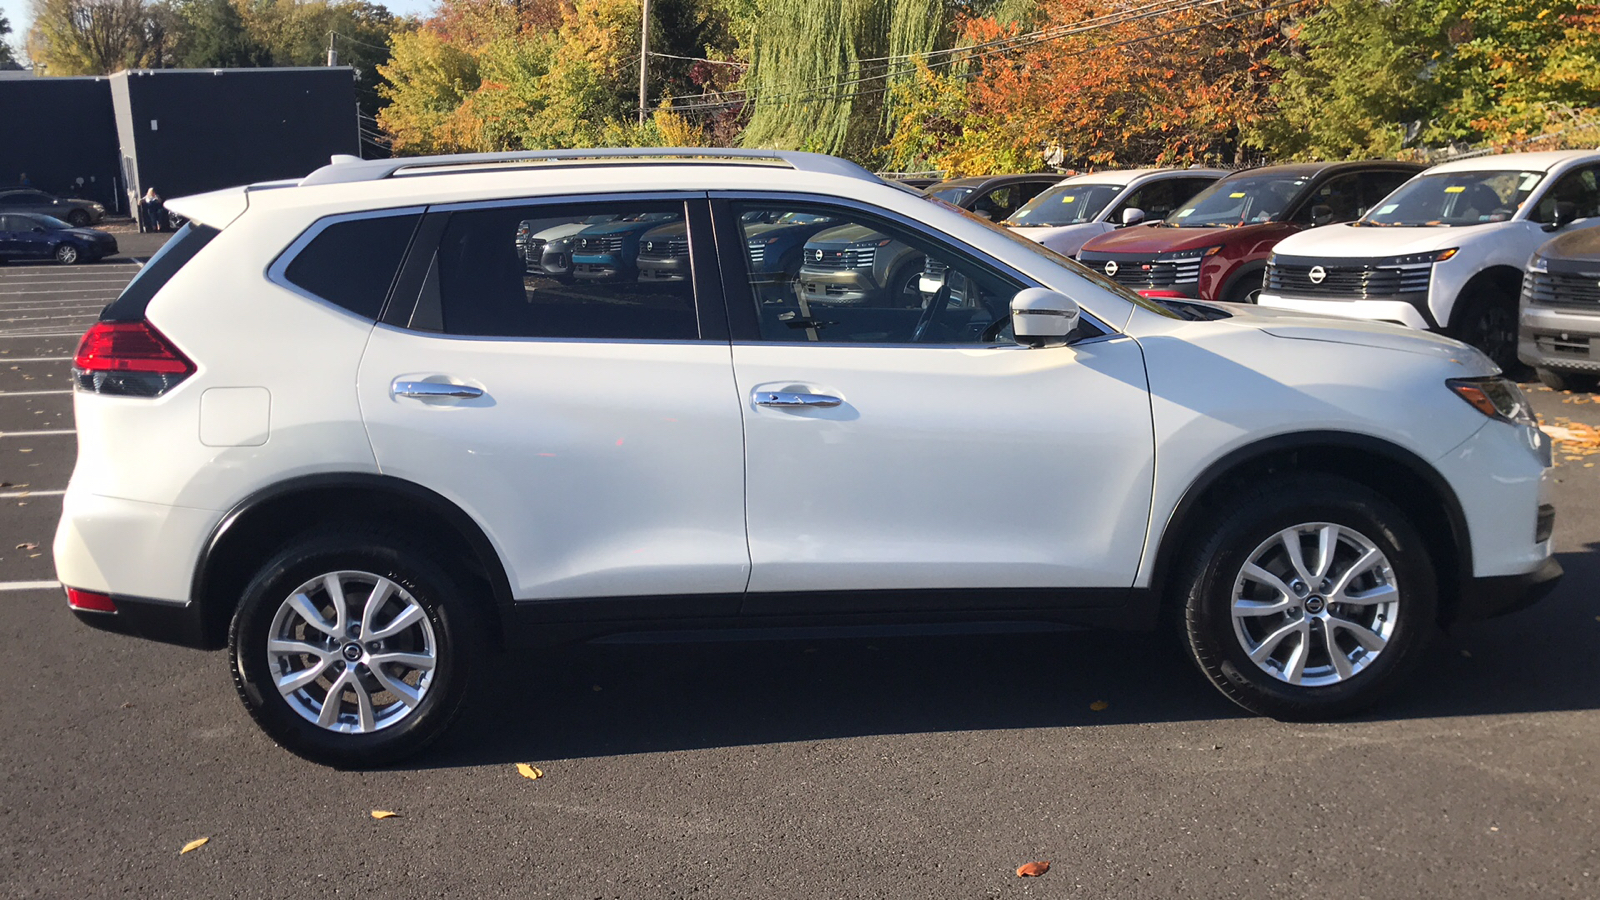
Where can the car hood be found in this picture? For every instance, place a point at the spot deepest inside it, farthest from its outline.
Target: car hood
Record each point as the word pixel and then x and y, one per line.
pixel 88 234
pixel 557 232
pixel 1157 238
pixel 1297 326
pixel 846 234
pixel 1371 241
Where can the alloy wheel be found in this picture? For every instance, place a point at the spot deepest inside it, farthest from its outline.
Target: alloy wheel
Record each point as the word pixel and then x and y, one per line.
pixel 1315 604
pixel 352 652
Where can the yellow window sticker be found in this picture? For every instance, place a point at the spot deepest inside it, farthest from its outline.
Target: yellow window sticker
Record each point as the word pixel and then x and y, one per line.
pixel 1454 189
pixel 1236 195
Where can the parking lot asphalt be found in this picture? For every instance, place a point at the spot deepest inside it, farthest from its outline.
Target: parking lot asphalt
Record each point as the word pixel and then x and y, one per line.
pixel 905 767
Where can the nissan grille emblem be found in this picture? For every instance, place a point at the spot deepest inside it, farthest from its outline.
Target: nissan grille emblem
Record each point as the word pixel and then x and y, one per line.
pixel 1111 268
pixel 1316 274
pixel 816 255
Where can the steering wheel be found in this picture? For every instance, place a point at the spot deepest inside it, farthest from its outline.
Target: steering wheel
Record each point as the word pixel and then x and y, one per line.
pixel 936 305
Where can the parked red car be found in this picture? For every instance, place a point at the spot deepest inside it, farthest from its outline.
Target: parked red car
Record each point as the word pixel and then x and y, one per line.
pixel 1215 247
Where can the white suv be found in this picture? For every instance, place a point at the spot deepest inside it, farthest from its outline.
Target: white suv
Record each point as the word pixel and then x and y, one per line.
pixel 339 427
pixel 1446 250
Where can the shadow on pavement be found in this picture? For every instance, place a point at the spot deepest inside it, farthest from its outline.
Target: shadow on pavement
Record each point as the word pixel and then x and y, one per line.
pixel 611 699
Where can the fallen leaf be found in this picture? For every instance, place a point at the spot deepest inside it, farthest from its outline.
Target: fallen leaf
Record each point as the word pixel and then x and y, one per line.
pixel 27 546
pixel 529 771
pixel 126 706
pixel 1494 828
pixel 24 449
pixel 195 844
pixel 1033 869
pixel 1098 705
pixel 383 814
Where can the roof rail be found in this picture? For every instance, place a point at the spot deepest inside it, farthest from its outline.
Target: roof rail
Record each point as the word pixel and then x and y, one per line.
pixel 344 169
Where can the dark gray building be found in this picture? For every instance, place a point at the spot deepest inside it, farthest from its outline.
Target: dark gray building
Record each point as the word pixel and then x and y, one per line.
pixel 181 131
pixel 184 131
pixel 60 133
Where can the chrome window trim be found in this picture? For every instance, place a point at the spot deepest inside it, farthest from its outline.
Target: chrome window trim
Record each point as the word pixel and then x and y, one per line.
pixel 523 339
pixel 937 237
pixel 682 196
pixel 277 270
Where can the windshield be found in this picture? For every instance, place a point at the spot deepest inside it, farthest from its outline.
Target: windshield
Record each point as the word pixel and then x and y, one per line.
pixel 1240 200
pixel 951 195
pixel 1066 262
pixel 1455 198
pixel 1066 204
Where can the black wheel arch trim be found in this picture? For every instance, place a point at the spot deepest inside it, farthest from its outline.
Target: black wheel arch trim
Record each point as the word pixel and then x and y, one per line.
pixel 1257 267
pixel 488 559
pixel 1184 513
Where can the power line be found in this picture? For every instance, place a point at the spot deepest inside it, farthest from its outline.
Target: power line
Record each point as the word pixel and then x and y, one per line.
pixel 715 62
pixel 361 42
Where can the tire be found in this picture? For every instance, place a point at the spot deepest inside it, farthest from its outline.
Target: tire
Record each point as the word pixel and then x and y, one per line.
pixel 1488 321
pixel 1394 635
pixel 78 219
pixel 1247 288
pixel 68 255
pixel 1567 381
pixel 440 621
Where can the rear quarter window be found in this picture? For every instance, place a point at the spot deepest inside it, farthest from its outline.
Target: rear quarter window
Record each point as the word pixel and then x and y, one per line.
pixel 153 276
pixel 352 263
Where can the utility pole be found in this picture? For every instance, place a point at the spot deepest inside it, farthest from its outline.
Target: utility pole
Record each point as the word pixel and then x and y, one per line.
pixel 644 58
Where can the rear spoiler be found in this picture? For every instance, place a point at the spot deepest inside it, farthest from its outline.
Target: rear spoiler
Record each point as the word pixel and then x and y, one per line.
pixel 218 209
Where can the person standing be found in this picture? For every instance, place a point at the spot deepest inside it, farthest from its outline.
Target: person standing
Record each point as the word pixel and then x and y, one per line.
pixel 152 212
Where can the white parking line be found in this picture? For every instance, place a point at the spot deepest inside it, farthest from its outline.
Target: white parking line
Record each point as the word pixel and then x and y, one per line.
pixel 39 359
pixel 93 309
pixel 62 291
pixel 29 393
pixel 48 433
pixel 28 585
pixel 15 494
pixel 23 334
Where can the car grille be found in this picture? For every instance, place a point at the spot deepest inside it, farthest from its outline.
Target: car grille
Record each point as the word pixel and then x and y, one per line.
pixel 758 254
pixel 666 249
pixel 599 244
pixel 851 258
pixel 1562 289
pixel 1350 282
pixel 934 268
pixel 1148 273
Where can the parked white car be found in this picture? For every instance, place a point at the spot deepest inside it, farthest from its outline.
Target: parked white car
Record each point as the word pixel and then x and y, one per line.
pixel 338 427
pixel 1085 206
pixel 1445 251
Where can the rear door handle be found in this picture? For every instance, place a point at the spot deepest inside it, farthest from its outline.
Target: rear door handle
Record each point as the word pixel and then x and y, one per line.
pixel 429 390
pixel 790 399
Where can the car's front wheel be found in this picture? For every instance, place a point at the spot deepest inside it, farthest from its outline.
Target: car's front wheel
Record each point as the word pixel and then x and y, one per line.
pixel 68 255
pixel 354 648
pixel 1309 597
pixel 1557 380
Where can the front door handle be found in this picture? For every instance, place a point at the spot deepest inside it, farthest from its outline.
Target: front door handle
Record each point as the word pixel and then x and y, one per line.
pixel 790 399
pixel 432 390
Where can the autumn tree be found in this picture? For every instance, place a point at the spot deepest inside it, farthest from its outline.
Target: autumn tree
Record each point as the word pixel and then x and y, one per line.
pixel 1375 79
pixel 1094 87
pixel 8 60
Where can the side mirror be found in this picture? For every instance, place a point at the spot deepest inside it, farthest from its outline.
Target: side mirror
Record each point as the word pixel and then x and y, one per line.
pixel 1042 318
pixel 1562 215
pixel 1132 216
pixel 1321 215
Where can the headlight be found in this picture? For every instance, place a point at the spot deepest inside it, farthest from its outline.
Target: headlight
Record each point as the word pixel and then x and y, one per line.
pixel 1420 259
pixel 1199 253
pixel 1495 397
pixel 1539 265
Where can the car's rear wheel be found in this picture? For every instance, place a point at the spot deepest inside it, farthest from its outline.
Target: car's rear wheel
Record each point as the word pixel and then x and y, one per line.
pixel 68 255
pixel 1567 381
pixel 78 218
pixel 1310 597
pixel 354 648
pixel 1488 320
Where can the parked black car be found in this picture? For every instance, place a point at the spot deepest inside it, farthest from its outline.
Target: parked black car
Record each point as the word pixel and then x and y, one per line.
pixel 33 236
pixel 995 197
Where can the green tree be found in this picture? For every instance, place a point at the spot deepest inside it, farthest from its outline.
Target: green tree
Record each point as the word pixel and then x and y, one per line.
pixel 8 60
pixel 98 37
pixel 215 36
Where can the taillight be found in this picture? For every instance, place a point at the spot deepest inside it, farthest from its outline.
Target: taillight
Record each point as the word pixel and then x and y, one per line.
pixel 90 601
pixel 128 358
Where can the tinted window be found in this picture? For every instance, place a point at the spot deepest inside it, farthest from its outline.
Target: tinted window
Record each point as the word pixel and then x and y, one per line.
pixel 1378 185
pixel 611 271
pixel 173 255
pixel 1456 199
pixel 836 276
pixel 1336 200
pixel 1580 188
pixel 1244 199
pixel 353 263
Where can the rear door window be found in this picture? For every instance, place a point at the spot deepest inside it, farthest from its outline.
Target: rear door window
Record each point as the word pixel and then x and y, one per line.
pixel 609 271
